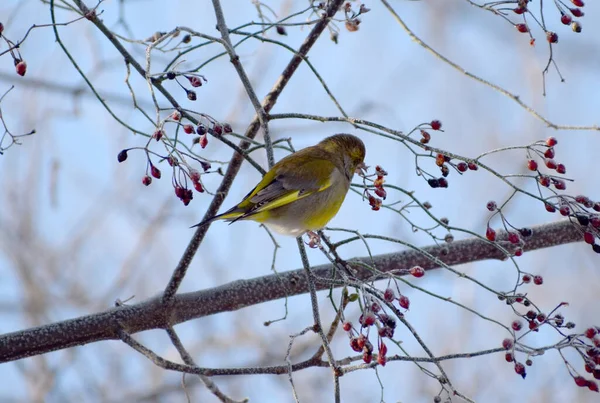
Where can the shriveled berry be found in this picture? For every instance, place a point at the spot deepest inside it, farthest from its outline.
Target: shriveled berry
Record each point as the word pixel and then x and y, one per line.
pixel 434 183
pixel 281 30
pixel 528 362
pixel 367 357
pixel 381 193
pixel 491 205
pixel 218 129
pixel 191 95
pixel 526 232
pixel 443 182
pixel 122 156
pixel 538 280
pixel 436 124
pixel 582 219
pixel 146 180
pixel 575 25
pixel 513 238
pixel 227 128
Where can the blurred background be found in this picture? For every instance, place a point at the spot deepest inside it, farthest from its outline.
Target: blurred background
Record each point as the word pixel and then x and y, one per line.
pixel 78 230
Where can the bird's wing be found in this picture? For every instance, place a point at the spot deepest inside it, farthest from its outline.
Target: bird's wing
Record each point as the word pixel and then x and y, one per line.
pixel 293 178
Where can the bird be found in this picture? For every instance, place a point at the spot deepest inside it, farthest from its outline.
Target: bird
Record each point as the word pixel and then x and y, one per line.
pixel 304 190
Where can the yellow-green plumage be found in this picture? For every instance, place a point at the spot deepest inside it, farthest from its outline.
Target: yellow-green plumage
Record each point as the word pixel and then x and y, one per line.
pixel 303 191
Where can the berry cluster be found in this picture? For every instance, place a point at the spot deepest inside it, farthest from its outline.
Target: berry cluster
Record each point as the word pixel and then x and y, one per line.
pixel 351 16
pixel 182 171
pixel 587 344
pixel 376 201
pixel 566 18
pixel 195 81
pixel 375 316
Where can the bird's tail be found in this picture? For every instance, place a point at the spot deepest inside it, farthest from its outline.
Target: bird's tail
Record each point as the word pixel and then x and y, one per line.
pixel 231 215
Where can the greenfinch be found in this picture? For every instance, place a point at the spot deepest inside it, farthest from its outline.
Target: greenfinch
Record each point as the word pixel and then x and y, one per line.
pixel 304 190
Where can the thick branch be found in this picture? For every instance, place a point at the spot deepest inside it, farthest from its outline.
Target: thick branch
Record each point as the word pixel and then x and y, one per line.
pixel 153 314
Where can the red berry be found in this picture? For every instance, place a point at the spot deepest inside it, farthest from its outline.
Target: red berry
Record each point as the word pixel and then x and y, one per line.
pixel 490 234
pixel 176 115
pixel 559 184
pixel 581 381
pixel 544 181
pixel 462 166
pixel 21 67
pixel 157 135
pixel 565 210
pixel 593 386
pixel 381 193
pixel 518 252
pixel 146 180
pixel 198 187
pixel 513 238
pixel 155 172
pixel 491 205
pixel 549 153
pixel 576 12
pixel 381 360
pixel 227 128
pixel 533 326
pixel 507 344
pixel 218 129
pixel 532 165
pixel 347 326
pixel 551 37
pixel 595 221
pixel 417 271
pixel 596 206
pixel 565 19
pixel 551 164
pixel 367 357
pixel 472 166
pixel 590 332
pixel 355 345
pixel 522 28
pixel 541 317
pixel 1 28
pixel 549 207
pixel 520 369
pixel 551 141
pixel 436 124
pixel 519 10
pixel 368 320
pixel 203 140
pixel 588 237
pixel 509 357
pixel 538 280
pixel 188 129
pixel 526 278
pixel 195 81
pixel 517 325
pixel 561 169
pixel 404 301
pixel 578 3
pixel 389 295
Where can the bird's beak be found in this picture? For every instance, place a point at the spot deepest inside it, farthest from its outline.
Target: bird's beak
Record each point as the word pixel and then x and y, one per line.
pixel 361 168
